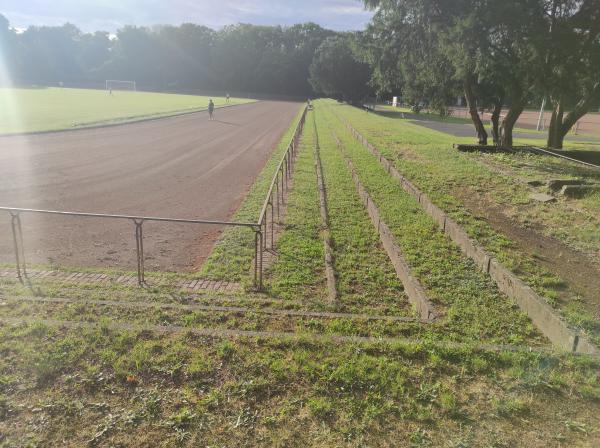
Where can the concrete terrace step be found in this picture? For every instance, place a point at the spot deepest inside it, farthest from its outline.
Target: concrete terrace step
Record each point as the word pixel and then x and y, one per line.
pixel 125 279
pixel 280 335
pixel 213 308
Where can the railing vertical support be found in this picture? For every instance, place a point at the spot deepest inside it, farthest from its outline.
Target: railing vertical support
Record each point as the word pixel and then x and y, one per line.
pixel 278 205
pixel 139 240
pixel 256 250
pixel 264 235
pixel 260 261
pixel 272 225
pixel 17 232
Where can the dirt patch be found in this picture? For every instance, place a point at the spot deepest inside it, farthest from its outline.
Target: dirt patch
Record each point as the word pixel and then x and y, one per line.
pixel 579 272
pixel 180 167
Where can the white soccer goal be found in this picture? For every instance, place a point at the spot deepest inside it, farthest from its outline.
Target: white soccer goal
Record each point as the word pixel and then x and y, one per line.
pixel 113 84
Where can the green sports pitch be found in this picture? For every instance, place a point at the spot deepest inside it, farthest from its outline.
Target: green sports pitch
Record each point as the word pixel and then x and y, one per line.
pixel 52 108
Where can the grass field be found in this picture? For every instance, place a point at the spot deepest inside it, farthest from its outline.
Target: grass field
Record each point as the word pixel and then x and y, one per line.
pixel 53 108
pixel 105 386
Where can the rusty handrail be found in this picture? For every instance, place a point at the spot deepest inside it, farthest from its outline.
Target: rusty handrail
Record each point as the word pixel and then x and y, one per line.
pixel 138 222
pixel 285 159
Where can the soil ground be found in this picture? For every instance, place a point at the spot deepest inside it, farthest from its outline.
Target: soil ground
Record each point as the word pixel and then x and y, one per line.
pixel 180 167
pixel 578 271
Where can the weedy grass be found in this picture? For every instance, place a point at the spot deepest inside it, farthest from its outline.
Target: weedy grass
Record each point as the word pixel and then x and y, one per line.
pixel 298 270
pixel 473 307
pixel 366 280
pixel 106 388
pixel 366 276
pixel 452 179
pixel 98 386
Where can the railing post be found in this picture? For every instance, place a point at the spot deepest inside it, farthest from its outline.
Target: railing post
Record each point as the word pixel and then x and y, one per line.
pixel 277 194
pixel 17 232
pixel 260 262
pixel 264 236
pixel 272 225
pixel 256 243
pixel 139 240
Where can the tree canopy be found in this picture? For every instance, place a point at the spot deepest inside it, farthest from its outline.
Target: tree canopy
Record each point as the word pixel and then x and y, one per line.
pixel 496 53
pixel 336 72
pixel 237 58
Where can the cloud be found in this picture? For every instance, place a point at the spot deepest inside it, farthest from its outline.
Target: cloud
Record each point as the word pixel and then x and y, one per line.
pixel 109 15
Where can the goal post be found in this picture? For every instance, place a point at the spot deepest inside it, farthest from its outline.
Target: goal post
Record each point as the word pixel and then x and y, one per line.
pixel 115 84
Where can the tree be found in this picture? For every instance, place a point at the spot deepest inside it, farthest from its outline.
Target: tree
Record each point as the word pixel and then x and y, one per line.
pixel 51 54
pixel 184 55
pixel 8 53
pixel 300 44
pixel 508 52
pixel 491 41
pixel 94 51
pixel 569 58
pixel 238 58
pixel 405 57
pixel 423 28
pixel 336 72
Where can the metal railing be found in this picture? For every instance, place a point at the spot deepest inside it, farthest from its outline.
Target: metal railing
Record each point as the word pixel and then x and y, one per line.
pixel 274 199
pixel 137 221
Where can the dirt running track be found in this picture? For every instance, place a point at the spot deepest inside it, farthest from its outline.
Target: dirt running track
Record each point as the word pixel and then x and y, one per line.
pixel 180 167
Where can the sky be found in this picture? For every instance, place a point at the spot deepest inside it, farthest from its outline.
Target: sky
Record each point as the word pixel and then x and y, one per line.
pixel 110 15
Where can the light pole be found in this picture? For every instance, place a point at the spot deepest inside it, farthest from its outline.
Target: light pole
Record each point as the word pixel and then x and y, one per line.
pixel 540 123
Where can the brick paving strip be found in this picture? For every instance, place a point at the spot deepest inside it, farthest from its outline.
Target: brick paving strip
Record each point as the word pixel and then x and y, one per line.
pixel 219 309
pixel 543 316
pixel 128 280
pixel 313 337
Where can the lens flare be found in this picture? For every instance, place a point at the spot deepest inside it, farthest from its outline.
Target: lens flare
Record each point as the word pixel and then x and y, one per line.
pixel 14 151
pixel 9 112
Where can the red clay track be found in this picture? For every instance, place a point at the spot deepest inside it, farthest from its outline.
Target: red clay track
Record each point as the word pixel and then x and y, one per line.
pixel 180 167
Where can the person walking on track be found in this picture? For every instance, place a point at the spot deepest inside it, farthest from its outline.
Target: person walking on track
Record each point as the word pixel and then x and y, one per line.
pixel 211 109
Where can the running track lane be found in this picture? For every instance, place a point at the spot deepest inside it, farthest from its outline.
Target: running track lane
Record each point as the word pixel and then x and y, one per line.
pixel 179 167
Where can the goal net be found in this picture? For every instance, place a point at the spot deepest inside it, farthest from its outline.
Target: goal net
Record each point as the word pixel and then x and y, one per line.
pixel 114 84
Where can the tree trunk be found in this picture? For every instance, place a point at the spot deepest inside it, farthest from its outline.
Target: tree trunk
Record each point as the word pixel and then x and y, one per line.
pixel 560 127
pixel 508 124
pixel 496 121
pixel 555 140
pixel 552 128
pixel 482 135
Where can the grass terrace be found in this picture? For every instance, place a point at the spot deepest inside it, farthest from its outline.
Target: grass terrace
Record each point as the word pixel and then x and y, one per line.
pixel 489 194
